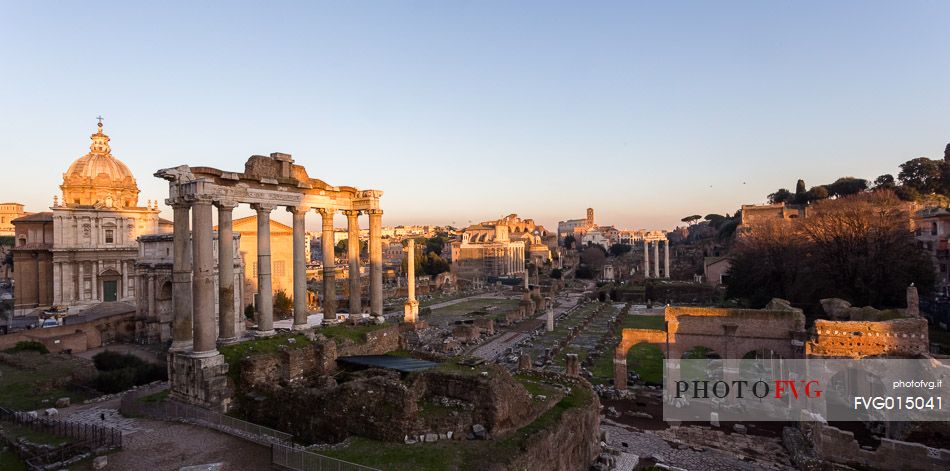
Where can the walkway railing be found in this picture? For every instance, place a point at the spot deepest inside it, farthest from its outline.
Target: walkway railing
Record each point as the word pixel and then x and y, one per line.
pixel 283 451
pixel 299 459
pixel 132 404
pixel 89 438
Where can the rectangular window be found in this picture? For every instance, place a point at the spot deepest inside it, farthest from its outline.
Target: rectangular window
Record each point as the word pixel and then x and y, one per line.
pixel 109 236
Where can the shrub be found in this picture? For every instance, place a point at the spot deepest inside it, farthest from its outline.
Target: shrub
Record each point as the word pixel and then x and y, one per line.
pixel 28 346
pixel 120 371
pixel 108 361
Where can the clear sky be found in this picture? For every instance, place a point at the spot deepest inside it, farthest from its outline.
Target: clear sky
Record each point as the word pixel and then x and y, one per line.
pixel 468 110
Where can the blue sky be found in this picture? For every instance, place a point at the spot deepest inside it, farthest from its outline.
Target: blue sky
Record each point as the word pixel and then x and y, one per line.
pixel 468 110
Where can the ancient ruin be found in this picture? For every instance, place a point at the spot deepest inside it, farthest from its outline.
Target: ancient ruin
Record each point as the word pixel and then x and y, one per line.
pixel 197 369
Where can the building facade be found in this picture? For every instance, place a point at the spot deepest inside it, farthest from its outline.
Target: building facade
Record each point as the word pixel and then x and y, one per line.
pixel 932 233
pixel 575 227
pixel 153 275
pixel 9 212
pixel 92 247
pixel 282 256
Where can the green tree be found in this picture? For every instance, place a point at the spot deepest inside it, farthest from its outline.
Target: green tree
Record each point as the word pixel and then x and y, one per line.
pixel 283 305
pixel 859 248
pixel 569 241
pixel 921 174
pixel 617 250
pixel 816 193
pixel 690 220
pixel 800 192
pixel 845 186
pixel 885 182
pixel 780 196
pixel 432 264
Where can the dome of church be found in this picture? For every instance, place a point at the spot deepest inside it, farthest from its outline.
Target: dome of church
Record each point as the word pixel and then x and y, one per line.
pixel 98 178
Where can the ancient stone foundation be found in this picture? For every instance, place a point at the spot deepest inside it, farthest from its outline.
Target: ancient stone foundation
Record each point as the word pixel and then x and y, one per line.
pixel 201 381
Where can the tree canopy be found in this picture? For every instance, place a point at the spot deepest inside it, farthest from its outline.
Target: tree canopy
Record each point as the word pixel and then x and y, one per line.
pixel 859 248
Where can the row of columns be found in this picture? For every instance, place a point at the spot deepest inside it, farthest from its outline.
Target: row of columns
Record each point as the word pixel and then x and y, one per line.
pixel 193 283
pixel 656 258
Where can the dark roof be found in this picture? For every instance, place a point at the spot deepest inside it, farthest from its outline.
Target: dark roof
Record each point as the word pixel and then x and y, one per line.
pixel 401 364
pixel 46 216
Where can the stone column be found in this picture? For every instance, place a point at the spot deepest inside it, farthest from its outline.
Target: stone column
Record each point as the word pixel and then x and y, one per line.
pixel 57 283
pixel 202 281
pixel 300 267
pixel 265 289
pixel 666 258
pixel 376 261
pixel 353 253
pixel 646 258
pixel 152 311
pixel 913 302
pixel 411 314
pixel 82 281
pixel 620 371
pixel 226 313
pixel 95 280
pixel 656 258
pixel 329 264
pixel 181 279
pixel 124 292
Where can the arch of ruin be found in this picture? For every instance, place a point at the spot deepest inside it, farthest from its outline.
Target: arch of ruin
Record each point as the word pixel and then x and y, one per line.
pixel 267 183
pixel 731 333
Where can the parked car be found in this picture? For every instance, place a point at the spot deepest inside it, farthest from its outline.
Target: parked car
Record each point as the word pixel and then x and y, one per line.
pixel 50 322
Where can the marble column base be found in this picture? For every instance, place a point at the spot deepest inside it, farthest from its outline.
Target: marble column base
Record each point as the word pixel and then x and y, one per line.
pixel 179 346
pixel 263 333
pixel 228 341
pixel 300 327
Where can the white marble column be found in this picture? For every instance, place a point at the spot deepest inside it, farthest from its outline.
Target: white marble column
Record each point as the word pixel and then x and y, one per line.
pixel 226 309
pixel 181 279
pixel 202 280
pixel 353 254
pixel 656 258
pixel 329 263
pixel 300 267
pixel 666 258
pixel 646 258
pixel 376 261
pixel 265 288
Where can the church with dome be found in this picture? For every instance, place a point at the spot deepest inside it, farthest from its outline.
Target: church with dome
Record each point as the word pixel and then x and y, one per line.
pixel 83 252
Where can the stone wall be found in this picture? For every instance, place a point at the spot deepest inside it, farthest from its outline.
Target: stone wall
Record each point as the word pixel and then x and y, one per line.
pixel 856 339
pixel 838 446
pixel 77 337
pixel 571 443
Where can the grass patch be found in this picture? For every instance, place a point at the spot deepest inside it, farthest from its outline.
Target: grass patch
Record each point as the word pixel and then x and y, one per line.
pixel 234 353
pixel 472 305
pixel 647 361
pixel 34 436
pixel 9 461
pixel 160 396
pixel 356 333
pixel 455 456
pixel 643 322
pixel 41 385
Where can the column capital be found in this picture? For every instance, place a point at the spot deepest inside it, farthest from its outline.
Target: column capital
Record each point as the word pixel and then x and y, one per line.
pixel 178 203
pixel 298 209
pixel 374 212
pixel 263 207
pixel 325 212
pixel 351 212
pixel 226 204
